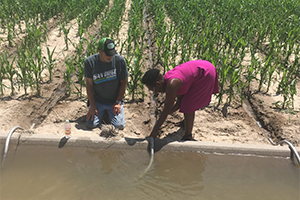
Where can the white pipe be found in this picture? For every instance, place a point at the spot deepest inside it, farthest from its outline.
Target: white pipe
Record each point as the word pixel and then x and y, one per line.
pixel 151 157
pixel 5 149
pixel 293 151
pixel 292 148
pixel 151 154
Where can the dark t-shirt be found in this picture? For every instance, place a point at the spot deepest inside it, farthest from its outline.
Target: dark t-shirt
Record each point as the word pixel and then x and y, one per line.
pixel 106 77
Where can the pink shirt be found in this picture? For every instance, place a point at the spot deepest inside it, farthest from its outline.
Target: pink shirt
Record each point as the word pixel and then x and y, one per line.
pixel 199 81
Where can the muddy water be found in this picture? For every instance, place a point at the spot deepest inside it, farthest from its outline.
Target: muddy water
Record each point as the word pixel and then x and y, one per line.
pixel 81 173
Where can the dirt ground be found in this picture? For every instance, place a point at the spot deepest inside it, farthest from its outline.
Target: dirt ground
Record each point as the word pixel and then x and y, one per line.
pixel 228 124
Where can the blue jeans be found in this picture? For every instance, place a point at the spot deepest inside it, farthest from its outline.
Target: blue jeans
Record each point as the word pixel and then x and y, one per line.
pixel 117 121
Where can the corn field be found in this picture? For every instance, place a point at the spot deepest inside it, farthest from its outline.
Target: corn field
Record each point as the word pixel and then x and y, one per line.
pixel 248 41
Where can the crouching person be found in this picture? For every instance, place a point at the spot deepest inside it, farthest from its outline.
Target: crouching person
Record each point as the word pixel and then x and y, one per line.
pixel 106 77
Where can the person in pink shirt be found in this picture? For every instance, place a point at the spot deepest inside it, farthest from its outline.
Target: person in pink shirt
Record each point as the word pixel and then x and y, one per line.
pixel 188 87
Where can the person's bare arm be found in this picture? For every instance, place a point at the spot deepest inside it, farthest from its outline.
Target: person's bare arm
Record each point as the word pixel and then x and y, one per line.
pixel 177 104
pixel 90 92
pixel 171 90
pixel 116 108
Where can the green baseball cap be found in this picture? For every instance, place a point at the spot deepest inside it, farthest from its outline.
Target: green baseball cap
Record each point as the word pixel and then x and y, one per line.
pixel 107 45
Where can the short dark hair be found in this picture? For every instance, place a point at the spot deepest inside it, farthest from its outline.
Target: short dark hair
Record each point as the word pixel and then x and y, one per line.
pixel 151 76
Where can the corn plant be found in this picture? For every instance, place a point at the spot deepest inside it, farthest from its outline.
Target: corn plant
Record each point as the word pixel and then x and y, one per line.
pixel 50 62
pixel 92 45
pixel 164 51
pixel 10 33
pixel 36 65
pixel 80 31
pixel 10 71
pixel 263 70
pixel 68 75
pixel 222 74
pixel 79 72
pixel 66 31
pixel 35 34
pixel 78 68
pixel 2 73
pixel 135 87
pixel 287 87
pixel 234 78
pixel 25 74
pixel 249 75
pixel 272 69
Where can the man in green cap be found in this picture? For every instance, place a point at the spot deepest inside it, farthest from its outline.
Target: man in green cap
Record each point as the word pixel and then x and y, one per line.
pixel 106 77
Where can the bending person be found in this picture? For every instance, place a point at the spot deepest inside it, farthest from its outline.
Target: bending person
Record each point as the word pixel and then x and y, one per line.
pixel 188 87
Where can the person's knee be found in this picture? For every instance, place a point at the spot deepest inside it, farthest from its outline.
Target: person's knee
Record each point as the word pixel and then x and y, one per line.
pixel 90 125
pixel 118 121
pixel 120 126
